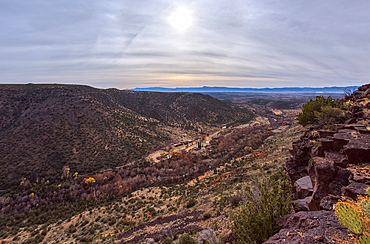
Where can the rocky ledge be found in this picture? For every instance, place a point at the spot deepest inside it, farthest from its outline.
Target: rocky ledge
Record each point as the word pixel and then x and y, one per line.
pixel 327 166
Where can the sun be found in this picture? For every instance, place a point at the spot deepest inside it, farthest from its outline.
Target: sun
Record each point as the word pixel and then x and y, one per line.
pixel 181 18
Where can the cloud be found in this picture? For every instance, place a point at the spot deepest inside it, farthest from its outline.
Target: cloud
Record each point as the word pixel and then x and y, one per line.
pixel 127 44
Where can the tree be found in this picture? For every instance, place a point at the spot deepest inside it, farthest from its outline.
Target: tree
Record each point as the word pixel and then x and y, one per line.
pixel 330 116
pixel 163 154
pixel 311 110
pixel 267 199
pixel 186 239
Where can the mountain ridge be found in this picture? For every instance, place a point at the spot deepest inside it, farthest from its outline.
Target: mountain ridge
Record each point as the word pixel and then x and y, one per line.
pixel 208 89
pixel 45 127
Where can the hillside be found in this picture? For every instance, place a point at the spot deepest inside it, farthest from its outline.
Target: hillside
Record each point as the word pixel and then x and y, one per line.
pixel 152 200
pixel 46 127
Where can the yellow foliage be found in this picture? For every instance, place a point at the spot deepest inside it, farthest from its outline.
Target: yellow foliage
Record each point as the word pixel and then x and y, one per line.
pixel 32 194
pixel 90 180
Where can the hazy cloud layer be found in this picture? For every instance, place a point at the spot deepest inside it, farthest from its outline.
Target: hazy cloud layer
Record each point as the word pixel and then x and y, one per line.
pixel 131 43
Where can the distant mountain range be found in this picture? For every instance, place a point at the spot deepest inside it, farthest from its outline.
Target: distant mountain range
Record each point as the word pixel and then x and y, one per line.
pixel 208 89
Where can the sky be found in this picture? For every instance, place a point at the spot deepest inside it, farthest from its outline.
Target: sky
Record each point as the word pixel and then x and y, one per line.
pixel 161 43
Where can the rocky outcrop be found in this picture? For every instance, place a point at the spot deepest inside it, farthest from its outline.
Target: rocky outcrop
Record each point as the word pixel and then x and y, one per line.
pixel 323 156
pixel 310 227
pixel 327 178
pixel 358 150
pixel 337 162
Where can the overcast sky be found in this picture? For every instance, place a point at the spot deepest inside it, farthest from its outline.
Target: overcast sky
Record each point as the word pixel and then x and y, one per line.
pixel 146 43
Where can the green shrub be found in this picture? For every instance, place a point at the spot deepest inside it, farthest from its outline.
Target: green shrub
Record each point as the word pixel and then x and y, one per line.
pixel 267 199
pixel 186 239
pixel 330 116
pixel 318 110
pixel 207 215
pixel 191 203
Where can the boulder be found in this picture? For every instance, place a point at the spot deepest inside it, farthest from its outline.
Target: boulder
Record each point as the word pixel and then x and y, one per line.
pixel 339 159
pixel 317 151
pixel 358 151
pixel 355 109
pixel 335 188
pixel 310 227
pixel 361 178
pixel 297 173
pixel 296 169
pixel 326 133
pixel 327 179
pixel 302 204
pixel 363 131
pixel 350 121
pixel 328 202
pixel 358 115
pixel 354 189
pixel 339 140
pixel 343 176
pixel 303 187
pixel 322 172
pixel 327 144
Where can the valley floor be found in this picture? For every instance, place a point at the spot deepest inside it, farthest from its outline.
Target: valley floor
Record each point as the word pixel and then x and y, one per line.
pixel 169 211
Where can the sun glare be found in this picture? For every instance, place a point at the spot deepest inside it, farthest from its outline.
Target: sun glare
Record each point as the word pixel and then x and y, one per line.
pixel 180 19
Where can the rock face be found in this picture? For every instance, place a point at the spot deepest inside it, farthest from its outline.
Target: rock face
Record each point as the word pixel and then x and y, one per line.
pixel 358 150
pixel 324 155
pixel 309 227
pixel 327 179
pixel 337 162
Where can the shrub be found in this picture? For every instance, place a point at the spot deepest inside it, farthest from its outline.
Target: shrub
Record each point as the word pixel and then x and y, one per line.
pixel 167 241
pixel 186 239
pixel 235 200
pixel 312 110
pixel 207 215
pixel 72 229
pixel 329 116
pixel 267 199
pixel 191 203
pixel 193 229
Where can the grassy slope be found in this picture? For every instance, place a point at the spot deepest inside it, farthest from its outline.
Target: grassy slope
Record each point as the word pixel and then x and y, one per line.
pixel 113 221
